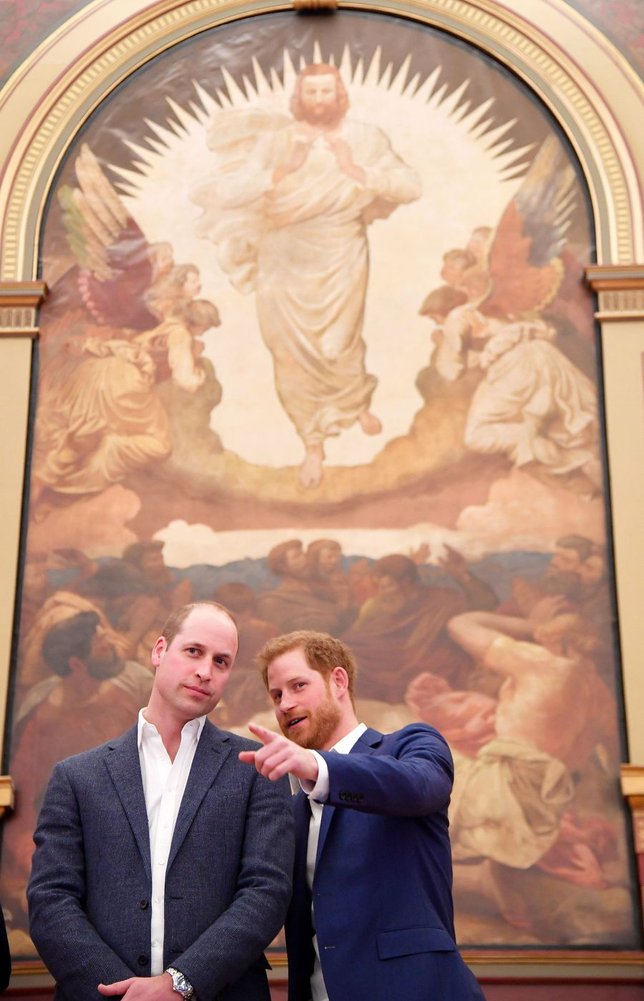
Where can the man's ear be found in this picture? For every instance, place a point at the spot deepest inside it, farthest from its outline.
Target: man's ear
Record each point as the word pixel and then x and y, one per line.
pixel 158 649
pixel 339 680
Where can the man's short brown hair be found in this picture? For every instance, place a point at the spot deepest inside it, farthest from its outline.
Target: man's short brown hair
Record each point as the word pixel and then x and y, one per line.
pixel 322 653
pixel 175 620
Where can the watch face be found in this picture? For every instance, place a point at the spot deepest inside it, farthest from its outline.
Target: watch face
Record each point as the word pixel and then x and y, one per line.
pixel 180 984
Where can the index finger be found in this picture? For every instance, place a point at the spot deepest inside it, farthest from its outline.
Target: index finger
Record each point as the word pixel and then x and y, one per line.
pixel 117 988
pixel 264 734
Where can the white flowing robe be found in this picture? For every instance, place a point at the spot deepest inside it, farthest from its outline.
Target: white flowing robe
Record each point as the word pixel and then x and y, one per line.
pixel 301 244
pixel 534 404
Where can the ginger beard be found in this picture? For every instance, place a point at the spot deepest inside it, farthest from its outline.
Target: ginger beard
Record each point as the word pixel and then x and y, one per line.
pixel 318 724
pixel 328 117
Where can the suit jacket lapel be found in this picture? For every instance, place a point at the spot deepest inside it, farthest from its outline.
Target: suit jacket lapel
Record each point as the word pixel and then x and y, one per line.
pixel 212 750
pixel 301 818
pixel 363 745
pixel 123 764
pixel 327 816
pixel 366 742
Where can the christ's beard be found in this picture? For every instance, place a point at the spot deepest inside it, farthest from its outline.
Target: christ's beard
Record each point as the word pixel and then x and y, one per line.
pixel 329 116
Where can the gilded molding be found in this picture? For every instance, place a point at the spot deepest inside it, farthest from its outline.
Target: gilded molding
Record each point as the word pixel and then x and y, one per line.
pixel 7 797
pixel 533 56
pixel 620 292
pixel 19 302
pixel 315 5
pixel 632 782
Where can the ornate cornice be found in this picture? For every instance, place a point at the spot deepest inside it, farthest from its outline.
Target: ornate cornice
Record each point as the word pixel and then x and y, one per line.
pixel 620 291
pixel 632 782
pixel 19 302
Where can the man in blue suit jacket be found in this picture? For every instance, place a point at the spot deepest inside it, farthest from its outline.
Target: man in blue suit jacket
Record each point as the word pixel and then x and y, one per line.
pixel 163 865
pixel 371 917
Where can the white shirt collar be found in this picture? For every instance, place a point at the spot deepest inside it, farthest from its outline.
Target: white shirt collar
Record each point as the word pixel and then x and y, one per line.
pixel 145 729
pixel 345 743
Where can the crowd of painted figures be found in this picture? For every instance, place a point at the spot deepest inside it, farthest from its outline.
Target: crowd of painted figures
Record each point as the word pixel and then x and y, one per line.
pixel 523 686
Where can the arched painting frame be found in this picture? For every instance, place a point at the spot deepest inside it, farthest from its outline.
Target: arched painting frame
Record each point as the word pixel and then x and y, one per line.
pixel 219 498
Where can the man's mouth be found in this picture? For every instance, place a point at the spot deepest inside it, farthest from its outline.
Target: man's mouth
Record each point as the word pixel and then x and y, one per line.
pixel 197 691
pixel 294 722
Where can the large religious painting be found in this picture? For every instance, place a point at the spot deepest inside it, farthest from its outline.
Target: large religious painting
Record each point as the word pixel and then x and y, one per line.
pixel 317 346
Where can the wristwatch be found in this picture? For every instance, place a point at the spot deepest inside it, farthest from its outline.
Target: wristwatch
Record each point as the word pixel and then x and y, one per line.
pixel 180 983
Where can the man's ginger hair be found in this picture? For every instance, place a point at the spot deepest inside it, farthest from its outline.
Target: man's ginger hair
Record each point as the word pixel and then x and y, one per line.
pixel 321 651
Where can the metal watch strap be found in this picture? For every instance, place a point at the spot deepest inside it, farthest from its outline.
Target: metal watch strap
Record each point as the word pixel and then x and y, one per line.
pixel 180 983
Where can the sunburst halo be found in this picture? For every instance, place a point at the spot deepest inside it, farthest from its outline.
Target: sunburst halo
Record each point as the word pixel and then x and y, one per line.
pixel 469 165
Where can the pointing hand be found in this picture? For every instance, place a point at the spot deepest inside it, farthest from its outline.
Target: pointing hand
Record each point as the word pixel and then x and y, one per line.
pixel 279 756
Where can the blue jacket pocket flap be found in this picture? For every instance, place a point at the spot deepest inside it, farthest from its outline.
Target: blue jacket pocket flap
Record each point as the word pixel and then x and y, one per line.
pixel 406 941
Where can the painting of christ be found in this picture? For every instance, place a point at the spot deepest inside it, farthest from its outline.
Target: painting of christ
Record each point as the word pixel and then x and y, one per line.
pixel 318 347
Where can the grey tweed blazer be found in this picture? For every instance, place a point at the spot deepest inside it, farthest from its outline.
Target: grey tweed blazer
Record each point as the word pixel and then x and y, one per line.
pixel 228 876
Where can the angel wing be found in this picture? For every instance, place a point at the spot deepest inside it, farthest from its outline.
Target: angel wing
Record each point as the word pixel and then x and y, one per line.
pixel 524 262
pixel 115 260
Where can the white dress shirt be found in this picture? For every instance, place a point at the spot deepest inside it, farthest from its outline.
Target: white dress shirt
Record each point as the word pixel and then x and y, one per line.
pixel 318 793
pixel 164 783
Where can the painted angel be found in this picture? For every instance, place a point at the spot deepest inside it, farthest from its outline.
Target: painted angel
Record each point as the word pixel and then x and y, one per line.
pixel 532 403
pixel 100 413
pixel 117 269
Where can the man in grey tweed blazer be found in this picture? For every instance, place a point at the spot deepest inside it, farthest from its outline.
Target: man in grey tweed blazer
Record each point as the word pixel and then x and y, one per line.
pixel 163 864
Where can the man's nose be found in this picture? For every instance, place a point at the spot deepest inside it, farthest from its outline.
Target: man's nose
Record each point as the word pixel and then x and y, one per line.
pixel 287 703
pixel 204 668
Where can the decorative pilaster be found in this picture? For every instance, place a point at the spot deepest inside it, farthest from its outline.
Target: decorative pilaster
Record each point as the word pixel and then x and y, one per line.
pixel 620 290
pixel 19 302
pixel 632 779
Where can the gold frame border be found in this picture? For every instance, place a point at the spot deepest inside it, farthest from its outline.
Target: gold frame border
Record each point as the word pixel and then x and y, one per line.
pixel 531 55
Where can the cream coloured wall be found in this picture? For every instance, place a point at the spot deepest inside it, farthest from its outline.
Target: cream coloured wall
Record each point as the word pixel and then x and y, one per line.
pixel 15 363
pixel 623 350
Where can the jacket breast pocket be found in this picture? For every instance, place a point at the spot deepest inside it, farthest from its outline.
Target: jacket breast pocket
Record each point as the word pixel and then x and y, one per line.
pixel 407 941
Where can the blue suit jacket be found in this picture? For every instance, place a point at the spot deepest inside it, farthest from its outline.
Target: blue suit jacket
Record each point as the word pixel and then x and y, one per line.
pixel 228 875
pixel 382 890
